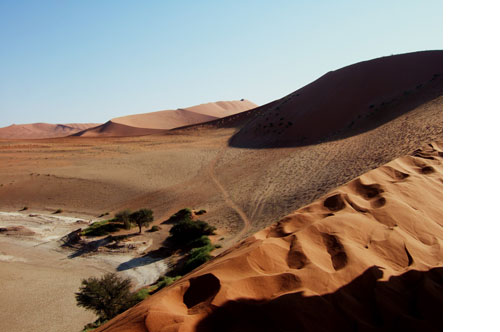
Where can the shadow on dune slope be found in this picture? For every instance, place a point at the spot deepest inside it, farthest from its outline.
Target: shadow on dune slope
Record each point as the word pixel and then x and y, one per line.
pixel 412 301
pixel 342 103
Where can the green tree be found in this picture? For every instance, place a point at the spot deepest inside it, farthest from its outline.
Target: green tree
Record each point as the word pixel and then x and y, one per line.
pixel 107 296
pixel 187 231
pixel 124 217
pixel 142 217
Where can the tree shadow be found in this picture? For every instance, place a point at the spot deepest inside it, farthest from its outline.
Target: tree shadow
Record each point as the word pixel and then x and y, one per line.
pixel 137 262
pixel 150 258
pixel 412 301
pixel 92 246
pixel 82 247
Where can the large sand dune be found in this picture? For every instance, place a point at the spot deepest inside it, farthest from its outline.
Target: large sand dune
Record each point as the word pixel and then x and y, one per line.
pixel 43 130
pixel 366 256
pixel 155 122
pixel 347 101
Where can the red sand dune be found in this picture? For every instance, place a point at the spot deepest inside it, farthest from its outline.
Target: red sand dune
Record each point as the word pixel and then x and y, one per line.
pixel 353 98
pixel 112 129
pixel 43 130
pixel 367 256
pixel 157 122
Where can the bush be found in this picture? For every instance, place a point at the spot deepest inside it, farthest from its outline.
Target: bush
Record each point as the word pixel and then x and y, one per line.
pixel 142 217
pixel 166 281
pixel 124 217
pixel 58 211
pixel 200 242
pixel 185 232
pixel 197 257
pixel 100 228
pixel 155 228
pixel 141 294
pixel 185 214
pixel 200 212
pixel 107 296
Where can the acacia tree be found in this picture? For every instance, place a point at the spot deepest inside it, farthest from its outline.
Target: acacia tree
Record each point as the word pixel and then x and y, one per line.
pixel 107 296
pixel 142 217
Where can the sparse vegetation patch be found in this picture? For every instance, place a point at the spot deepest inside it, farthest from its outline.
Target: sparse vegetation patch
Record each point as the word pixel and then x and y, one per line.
pixel 197 257
pixel 101 228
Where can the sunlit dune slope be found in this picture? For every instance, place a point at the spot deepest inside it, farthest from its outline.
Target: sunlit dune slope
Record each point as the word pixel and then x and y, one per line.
pixel 42 130
pixel 365 256
pixel 154 122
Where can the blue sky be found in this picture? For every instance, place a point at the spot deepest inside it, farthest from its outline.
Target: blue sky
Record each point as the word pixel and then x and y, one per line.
pixel 89 61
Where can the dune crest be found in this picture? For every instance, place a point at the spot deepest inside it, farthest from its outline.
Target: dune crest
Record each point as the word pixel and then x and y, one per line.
pixel 158 122
pixel 367 255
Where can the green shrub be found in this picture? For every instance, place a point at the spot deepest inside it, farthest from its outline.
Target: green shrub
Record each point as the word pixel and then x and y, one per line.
pixel 200 212
pixel 185 214
pixel 155 228
pixel 141 294
pixel 100 228
pixel 167 281
pixel 127 224
pixel 162 283
pixel 58 211
pixel 218 246
pixel 185 232
pixel 142 218
pixel 197 257
pixel 124 217
pixel 200 242
pixel 107 296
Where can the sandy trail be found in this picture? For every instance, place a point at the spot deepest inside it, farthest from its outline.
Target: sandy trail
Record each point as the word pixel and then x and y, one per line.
pixel 225 194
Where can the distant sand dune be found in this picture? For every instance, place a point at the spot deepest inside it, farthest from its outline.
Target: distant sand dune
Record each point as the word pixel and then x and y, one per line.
pixel 42 130
pixel 113 129
pixel 155 122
